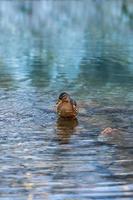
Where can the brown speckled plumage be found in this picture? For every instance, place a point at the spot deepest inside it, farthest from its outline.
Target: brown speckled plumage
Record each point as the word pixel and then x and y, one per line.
pixel 66 106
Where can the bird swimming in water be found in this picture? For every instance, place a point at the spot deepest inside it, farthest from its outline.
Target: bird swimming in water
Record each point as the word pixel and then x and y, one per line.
pixel 66 107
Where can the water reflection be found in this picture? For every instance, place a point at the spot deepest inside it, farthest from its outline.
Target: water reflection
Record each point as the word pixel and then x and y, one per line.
pixel 6 79
pixel 84 48
pixel 65 129
pixel 39 75
pixel 113 64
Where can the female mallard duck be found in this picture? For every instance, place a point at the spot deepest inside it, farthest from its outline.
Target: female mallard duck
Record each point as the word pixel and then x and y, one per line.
pixel 66 106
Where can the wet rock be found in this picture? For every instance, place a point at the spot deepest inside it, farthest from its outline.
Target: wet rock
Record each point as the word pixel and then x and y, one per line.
pixel 109 131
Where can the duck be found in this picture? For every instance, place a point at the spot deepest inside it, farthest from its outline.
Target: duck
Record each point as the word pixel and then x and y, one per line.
pixel 66 107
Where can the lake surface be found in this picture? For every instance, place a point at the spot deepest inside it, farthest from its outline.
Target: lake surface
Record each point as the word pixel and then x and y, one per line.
pixel 42 157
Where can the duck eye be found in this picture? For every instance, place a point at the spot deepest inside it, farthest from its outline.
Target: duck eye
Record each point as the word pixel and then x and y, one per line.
pixel 63 95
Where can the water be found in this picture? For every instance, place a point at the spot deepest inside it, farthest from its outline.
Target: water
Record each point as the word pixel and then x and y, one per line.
pixel 62 49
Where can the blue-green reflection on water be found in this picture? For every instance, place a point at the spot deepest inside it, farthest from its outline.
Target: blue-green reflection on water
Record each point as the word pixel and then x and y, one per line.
pixel 89 55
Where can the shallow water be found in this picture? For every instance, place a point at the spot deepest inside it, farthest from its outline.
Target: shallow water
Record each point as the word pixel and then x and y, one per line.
pixel 42 157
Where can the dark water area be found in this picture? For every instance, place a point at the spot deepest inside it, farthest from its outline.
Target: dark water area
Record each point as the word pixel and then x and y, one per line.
pixel 86 49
